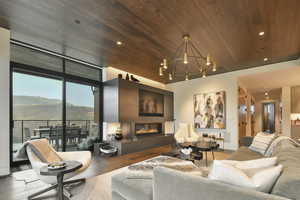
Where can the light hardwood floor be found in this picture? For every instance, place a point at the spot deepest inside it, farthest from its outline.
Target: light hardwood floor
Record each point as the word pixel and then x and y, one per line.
pixel 98 184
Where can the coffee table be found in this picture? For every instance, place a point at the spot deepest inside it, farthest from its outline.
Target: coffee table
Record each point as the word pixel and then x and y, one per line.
pixel 71 166
pixel 193 156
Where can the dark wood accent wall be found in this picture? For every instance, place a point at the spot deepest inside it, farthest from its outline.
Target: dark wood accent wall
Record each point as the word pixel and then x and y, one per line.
pixel 121 102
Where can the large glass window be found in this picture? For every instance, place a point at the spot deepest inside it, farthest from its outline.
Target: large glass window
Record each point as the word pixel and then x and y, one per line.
pixel 81 116
pixel 53 98
pixel 37 106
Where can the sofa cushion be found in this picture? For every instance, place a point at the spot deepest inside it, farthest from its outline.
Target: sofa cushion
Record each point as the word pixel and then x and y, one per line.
pixel 281 145
pixel 261 142
pixel 250 164
pixel 247 175
pixel 288 184
pixel 171 184
pixel 133 189
pixel 244 153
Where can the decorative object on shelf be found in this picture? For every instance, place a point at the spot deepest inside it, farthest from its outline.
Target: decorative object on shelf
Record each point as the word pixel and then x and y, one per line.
pixel 127 77
pixel 186 151
pixel 204 135
pixel 209 110
pixel 120 76
pixel 134 79
pixel 108 150
pixel 187 56
pixel 118 134
pixel 221 139
pixel 297 121
pixel 169 127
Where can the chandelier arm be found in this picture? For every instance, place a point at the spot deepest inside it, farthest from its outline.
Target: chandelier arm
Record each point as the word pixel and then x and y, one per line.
pixel 174 68
pixel 203 57
pixel 192 56
pixel 181 47
pixel 198 64
pixel 177 50
pixel 186 46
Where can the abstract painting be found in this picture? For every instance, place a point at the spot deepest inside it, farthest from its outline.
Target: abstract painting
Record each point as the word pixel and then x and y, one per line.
pixel 209 110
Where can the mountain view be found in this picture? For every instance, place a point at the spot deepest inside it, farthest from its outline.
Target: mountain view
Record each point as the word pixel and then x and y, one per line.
pixel 40 108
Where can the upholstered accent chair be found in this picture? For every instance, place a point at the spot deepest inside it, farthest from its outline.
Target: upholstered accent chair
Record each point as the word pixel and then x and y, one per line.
pixel 44 148
pixel 186 133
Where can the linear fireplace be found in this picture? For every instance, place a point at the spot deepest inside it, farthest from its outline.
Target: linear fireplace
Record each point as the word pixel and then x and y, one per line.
pixel 148 128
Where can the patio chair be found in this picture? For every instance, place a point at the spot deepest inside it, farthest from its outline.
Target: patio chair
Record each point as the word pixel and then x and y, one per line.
pixel 28 136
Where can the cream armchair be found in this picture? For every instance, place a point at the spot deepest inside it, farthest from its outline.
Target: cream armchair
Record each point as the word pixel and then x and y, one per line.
pixel 186 133
pixel 46 149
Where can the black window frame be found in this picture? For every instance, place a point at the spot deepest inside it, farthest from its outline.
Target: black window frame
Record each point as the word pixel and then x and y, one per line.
pixel 64 77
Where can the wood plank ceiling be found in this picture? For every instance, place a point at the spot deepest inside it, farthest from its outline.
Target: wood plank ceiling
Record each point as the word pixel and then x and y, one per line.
pixel 152 29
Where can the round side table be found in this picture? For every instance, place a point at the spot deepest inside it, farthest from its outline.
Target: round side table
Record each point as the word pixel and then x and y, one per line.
pixel 71 166
pixel 206 147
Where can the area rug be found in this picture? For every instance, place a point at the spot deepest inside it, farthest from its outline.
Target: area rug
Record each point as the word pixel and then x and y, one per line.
pixel 28 176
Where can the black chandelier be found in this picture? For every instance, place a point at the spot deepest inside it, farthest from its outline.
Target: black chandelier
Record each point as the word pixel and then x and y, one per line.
pixel 187 55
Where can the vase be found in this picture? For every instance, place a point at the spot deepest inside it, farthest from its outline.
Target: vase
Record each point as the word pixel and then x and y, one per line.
pixel 118 136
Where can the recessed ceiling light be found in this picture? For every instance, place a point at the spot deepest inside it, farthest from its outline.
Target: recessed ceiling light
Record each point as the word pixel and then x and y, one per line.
pixel 266 59
pixel 261 33
pixel 119 43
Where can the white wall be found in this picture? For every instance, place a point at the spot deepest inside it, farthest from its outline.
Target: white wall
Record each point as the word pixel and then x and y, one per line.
pixel 183 103
pixel 228 82
pixel 4 101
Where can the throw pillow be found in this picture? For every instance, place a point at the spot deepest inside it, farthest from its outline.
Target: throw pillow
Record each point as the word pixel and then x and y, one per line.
pixel 260 179
pixel 251 164
pixel 261 142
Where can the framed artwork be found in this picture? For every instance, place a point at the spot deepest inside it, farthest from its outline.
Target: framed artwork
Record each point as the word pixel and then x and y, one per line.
pixel 209 110
pixel 151 104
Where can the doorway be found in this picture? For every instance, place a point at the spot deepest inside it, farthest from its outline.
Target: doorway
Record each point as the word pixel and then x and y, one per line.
pixel 268 117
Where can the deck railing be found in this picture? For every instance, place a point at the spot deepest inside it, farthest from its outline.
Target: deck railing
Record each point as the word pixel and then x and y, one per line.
pixel 20 125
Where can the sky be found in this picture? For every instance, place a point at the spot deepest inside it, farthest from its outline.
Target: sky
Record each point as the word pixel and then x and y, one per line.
pixel 28 85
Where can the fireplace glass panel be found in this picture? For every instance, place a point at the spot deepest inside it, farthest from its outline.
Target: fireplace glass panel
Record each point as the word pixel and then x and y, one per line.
pixel 148 128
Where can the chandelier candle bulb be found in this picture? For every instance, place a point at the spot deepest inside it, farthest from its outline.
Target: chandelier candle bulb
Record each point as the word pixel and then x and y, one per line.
pixel 214 67
pixel 165 63
pixel 170 77
pixel 185 59
pixel 208 60
pixel 186 77
pixel 161 71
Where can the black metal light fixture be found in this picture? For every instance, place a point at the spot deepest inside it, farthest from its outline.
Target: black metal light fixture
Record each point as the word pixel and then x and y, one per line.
pixel 187 55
